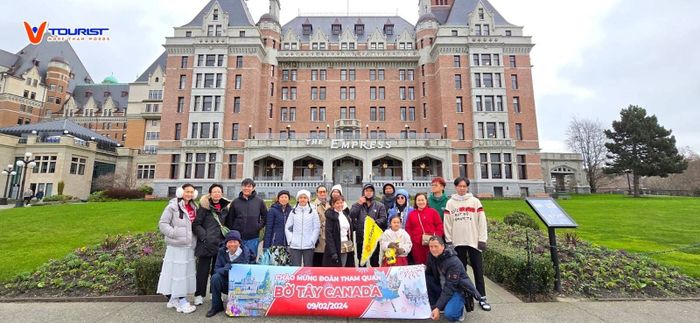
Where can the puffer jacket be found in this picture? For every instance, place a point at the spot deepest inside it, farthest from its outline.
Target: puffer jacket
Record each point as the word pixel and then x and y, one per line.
pixel 394 211
pixel 274 229
pixel 456 279
pixel 303 227
pixel 247 215
pixel 205 227
pixel 224 263
pixel 177 230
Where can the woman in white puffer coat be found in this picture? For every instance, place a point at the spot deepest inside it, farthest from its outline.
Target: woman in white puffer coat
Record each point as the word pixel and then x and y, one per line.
pixel 302 229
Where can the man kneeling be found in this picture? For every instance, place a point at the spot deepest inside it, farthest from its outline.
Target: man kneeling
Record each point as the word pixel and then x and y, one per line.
pixel 232 252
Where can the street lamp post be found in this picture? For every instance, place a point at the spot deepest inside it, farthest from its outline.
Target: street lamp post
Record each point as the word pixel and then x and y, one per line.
pixel 10 173
pixel 25 164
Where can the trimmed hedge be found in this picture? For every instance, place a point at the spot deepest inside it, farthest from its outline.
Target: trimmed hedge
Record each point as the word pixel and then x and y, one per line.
pixel 508 266
pixel 147 272
pixel 58 198
pixel 521 219
pixel 123 193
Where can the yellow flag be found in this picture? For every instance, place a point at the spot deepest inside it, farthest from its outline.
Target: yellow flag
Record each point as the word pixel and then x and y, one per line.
pixel 372 235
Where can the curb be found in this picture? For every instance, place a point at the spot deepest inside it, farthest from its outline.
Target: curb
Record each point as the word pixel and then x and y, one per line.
pixel 97 299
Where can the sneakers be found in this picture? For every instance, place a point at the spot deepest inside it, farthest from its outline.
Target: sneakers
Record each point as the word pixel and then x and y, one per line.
pixel 184 306
pixel 484 305
pixel 198 300
pixel 172 303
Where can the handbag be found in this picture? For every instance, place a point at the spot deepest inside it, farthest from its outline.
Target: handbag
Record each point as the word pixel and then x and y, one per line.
pixel 425 238
pixel 224 230
pixel 347 247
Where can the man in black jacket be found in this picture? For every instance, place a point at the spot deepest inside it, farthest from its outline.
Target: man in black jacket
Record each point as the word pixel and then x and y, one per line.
pixel 367 206
pixel 233 252
pixel 453 295
pixel 247 214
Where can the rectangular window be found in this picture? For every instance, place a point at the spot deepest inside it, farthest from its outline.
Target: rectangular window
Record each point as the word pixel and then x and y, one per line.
pixel 460 131
pixel 402 93
pixel 211 167
pixel 351 93
pixel 477 79
pixel 511 61
pixel 380 74
pixel 484 160
pixel 343 93
pixel 522 167
pixel 232 162
pixel 146 171
pixel 403 113
pixel 411 113
pixel 77 165
pixel 210 60
pixel 496 60
pixel 204 131
pixel 239 61
pixel 455 61
pixel 323 74
pixel 292 114
pixel 183 81
pixel 514 82
pixel 382 114
pixel 215 130
pixel 491 130
pixel 507 166
pixel 199 165
pixel 372 75
pixel 194 132
pixel 343 75
pixel 207 103
pixel 488 80
pixel 516 104
pixel 502 129
pixel 488 103
pixel 183 61
pixel 234 131
pixel 372 113
pixel 314 75
pixel 314 114
pixel 178 131
pixel 480 130
pixel 479 105
pixel 458 81
pixel 237 104
pixel 496 166
pixel 458 102
pixel 497 80
pixel 283 114
pixel 322 93
pixel 239 81
pixel 174 166
pixel 382 93
pixel 372 93
pixel 519 131
pixel 499 103
pixel 293 93
pixel 463 167
pixel 402 75
pixel 180 104
pixel 321 114
pixel 475 60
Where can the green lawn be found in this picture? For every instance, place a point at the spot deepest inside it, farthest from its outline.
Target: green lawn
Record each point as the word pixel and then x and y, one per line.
pixel 32 235
pixel 647 225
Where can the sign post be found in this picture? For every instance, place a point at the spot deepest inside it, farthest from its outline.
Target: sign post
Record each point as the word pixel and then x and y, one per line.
pixel 553 217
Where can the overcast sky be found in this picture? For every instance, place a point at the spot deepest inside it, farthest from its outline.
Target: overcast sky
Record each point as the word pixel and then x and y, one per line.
pixel 591 59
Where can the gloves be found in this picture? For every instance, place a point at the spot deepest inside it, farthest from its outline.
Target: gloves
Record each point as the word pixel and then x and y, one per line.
pixel 393 245
pixel 482 245
pixel 334 257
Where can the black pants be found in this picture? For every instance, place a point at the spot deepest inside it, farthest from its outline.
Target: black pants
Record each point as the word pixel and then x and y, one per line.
pixel 373 260
pixel 205 267
pixel 318 259
pixel 476 261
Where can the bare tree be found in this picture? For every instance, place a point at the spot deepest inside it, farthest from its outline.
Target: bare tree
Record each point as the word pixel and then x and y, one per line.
pixel 587 137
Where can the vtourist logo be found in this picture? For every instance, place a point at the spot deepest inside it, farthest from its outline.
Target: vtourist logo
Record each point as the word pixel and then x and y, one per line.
pixel 36 34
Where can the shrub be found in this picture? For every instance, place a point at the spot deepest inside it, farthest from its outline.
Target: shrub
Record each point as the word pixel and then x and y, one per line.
pixel 99 196
pixel 509 266
pixel 147 272
pixel 147 190
pixel 696 191
pixel 124 193
pixel 58 198
pixel 521 219
pixel 61 186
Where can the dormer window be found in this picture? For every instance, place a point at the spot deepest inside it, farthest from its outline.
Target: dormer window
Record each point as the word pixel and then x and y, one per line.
pixel 481 13
pixel 306 29
pixel 125 94
pixel 359 29
pixel 88 94
pixel 107 93
pixel 215 15
pixel 388 30
pixel 336 29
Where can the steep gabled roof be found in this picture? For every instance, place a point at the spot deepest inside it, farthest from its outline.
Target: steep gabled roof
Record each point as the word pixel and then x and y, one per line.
pixel 324 23
pixel 161 61
pixel 44 52
pixel 98 94
pixel 460 9
pixel 237 10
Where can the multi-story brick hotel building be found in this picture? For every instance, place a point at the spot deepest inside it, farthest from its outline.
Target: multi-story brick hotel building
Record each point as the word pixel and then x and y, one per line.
pixel 346 99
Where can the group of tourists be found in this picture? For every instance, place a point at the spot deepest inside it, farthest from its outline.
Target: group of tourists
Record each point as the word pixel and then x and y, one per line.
pixel 440 232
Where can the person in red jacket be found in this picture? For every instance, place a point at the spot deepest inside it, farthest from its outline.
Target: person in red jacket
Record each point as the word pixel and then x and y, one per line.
pixel 423 220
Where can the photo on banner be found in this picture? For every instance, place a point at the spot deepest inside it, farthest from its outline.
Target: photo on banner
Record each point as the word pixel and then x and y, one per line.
pixel 385 292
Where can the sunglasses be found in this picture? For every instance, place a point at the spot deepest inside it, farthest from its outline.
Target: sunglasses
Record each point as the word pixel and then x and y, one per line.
pixel 400 197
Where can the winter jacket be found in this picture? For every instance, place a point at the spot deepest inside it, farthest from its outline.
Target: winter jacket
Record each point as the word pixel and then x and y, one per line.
pixel 401 237
pixel 358 213
pixel 247 215
pixel 394 211
pixel 465 221
pixel 274 229
pixel 388 200
pixel 177 229
pixel 205 227
pixel 438 204
pixel 333 237
pixel 223 261
pixel 302 228
pixel 321 211
pixel 456 279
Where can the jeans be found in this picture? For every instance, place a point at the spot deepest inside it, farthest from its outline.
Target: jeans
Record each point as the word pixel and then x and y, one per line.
pixel 252 244
pixel 219 284
pixel 454 307
pixel 297 255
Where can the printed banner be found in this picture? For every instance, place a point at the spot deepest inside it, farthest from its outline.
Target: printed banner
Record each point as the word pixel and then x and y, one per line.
pixel 372 235
pixel 386 292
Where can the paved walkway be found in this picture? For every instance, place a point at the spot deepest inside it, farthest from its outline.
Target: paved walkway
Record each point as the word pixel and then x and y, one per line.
pixel 642 311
